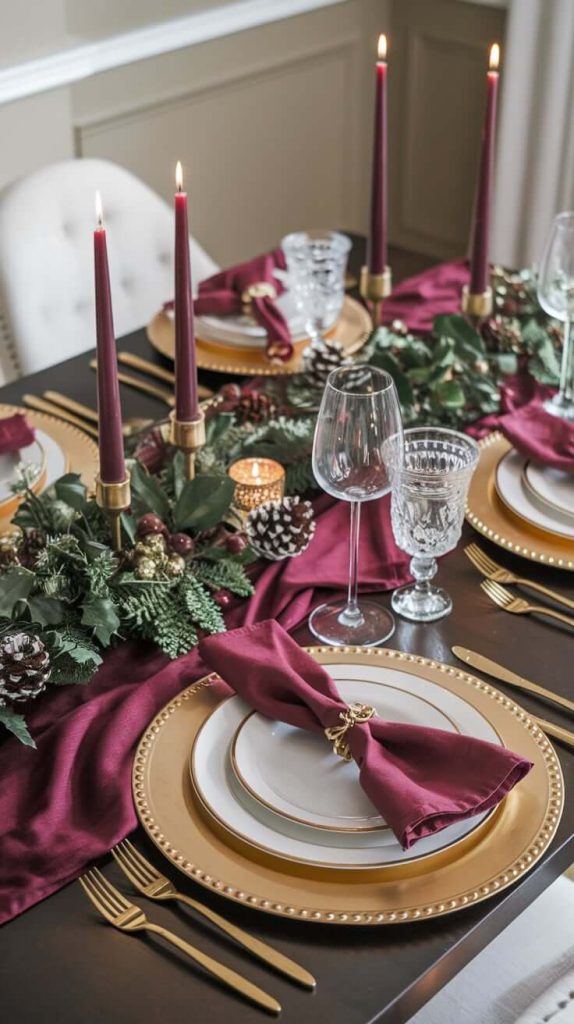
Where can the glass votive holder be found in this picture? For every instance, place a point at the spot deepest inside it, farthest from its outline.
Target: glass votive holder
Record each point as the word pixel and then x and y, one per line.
pixel 257 481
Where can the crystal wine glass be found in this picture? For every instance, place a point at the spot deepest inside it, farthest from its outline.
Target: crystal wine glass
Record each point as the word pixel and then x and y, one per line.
pixel 556 296
pixel 316 264
pixel 427 511
pixel 357 448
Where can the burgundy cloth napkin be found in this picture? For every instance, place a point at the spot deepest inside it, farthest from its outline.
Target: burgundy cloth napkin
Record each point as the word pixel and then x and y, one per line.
pixel 419 299
pixel 67 803
pixel 420 780
pixel 222 295
pixel 15 433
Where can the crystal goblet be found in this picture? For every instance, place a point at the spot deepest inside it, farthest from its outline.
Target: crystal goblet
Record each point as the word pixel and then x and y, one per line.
pixel 427 511
pixel 316 264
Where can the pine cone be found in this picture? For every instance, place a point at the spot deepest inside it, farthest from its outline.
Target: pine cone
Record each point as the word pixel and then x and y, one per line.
pixel 31 546
pixel 281 529
pixel 255 407
pixel 24 667
pixel 320 358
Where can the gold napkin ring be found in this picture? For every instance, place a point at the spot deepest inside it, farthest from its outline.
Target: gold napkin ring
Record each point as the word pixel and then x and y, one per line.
pixel 336 734
pixel 259 290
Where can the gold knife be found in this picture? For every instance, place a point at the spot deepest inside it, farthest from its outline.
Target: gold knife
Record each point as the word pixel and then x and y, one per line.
pixel 564 735
pixel 492 668
pixel 142 385
pixel 54 410
pixel 145 366
pixel 72 406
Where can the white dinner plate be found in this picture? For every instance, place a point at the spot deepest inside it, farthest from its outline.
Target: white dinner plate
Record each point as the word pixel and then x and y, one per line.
pixel 511 490
pixel 242 331
pixel 554 488
pixel 214 780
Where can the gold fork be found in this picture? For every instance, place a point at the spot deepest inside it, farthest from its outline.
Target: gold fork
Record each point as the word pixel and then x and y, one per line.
pixel 504 599
pixel 130 918
pixel 156 886
pixel 488 567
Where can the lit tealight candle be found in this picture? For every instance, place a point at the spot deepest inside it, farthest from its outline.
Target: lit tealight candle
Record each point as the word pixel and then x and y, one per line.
pixel 257 481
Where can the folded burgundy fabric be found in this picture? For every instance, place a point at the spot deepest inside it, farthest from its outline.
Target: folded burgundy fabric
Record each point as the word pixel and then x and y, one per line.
pixel 15 433
pixel 420 780
pixel 540 436
pixel 418 300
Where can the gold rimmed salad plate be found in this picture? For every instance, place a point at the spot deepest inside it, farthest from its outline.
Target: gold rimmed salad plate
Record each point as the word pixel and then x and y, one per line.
pixel 518 499
pixel 491 858
pixel 553 488
pixel 499 524
pixel 351 329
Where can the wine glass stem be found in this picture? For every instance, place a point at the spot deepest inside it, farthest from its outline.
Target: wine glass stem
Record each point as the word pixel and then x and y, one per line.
pixel 352 611
pixel 566 383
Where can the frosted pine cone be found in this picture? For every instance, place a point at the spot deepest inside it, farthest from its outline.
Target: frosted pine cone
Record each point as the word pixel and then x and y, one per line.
pixel 24 667
pixel 320 358
pixel 281 529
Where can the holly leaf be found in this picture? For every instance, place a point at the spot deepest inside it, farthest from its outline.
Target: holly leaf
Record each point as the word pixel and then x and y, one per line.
pixel 128 526
pixel 148 492
pixel 101 614
pixel 203 502
pixel 71 490
pixel 16 724
pixel 46 611
pixel 468 344
pixel 15 586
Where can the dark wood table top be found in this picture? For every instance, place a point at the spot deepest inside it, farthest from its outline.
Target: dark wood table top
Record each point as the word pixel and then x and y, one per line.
pixel 59 962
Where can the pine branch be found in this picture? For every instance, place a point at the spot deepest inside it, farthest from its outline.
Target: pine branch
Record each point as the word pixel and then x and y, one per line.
pixel 224 574
pixel 201 606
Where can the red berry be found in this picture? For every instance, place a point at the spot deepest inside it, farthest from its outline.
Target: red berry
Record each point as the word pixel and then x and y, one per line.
pixel 236 543
pixel 150 523
pixel 222 598
pixel 181 543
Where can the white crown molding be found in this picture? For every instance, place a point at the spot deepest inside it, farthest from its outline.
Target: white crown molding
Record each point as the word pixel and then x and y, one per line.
pixel 76 63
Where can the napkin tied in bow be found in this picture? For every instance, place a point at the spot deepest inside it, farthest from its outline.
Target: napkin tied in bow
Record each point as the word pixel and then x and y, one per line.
pixel 252 288
pixel 419 779
pixel 15 433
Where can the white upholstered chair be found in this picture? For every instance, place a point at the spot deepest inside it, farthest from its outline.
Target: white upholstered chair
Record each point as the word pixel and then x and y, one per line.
pixel 46 260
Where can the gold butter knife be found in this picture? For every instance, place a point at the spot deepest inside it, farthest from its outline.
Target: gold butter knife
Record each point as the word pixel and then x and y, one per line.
pixel 143 385
pixel 61 414
pixel 564 735
pixel 159 372
pixel 505 675
pixel 71 405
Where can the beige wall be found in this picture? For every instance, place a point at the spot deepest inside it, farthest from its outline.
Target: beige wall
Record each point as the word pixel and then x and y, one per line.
pixel 273 125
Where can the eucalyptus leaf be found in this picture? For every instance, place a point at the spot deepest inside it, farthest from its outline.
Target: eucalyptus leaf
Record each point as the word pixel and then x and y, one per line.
pixel 203 502
pixel 468 343
pixel 15 585
pixel 450 394
pixel 101 614
pixel 16 724
pixel 46 611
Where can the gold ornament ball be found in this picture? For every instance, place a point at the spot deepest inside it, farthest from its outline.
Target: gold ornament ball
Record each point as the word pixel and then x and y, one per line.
pixel 153 542
pixel 175 565
pixel 10 540
pixel 146 569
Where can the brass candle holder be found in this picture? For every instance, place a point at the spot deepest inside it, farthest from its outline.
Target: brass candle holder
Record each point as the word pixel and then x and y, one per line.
pixel 114 498
pixel 374 288
pixel 257 481
pixel 189 437
pixel 477 305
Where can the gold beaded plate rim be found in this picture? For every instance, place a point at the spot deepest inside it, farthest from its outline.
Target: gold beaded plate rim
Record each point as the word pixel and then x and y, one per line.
pixel 487 514
pixel 351 330
pixel 526 821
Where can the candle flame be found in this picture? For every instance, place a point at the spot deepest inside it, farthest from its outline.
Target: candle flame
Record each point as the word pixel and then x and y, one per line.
pixel 179 176
pixel 382 47
pixel 99 210
pixel 494 59
pixel 255 469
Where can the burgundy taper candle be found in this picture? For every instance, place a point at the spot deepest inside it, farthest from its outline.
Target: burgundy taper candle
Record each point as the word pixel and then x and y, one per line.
pixel 110 436
pixel 479 261
pixel 186 407
pixel 377 245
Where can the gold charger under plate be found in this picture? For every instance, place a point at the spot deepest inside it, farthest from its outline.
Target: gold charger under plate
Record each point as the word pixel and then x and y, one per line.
pixel 494 520
pixel 521 830
pixel 351 330
pixel 80 451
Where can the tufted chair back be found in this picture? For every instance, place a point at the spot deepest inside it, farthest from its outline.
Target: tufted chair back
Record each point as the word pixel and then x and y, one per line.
pixel 46 260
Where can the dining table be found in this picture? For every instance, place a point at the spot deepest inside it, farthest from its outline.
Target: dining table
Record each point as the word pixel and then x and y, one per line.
pixel 60 962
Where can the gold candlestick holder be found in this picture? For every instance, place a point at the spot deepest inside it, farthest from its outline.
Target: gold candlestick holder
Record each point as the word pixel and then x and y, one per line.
pixel 114 498
pixel 189 437
pixel 477 305
pixel 374 288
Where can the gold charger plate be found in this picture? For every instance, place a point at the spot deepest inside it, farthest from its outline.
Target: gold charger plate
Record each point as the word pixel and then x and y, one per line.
pixel 520 833
pixel 494 520
pixel 80 451
pixel 351 330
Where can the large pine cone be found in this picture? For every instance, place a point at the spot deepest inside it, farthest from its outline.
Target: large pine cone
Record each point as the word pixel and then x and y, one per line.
pixel 24 667
pixel 320 358
pixel 281 529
